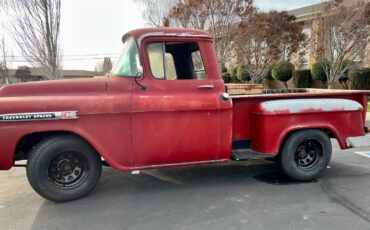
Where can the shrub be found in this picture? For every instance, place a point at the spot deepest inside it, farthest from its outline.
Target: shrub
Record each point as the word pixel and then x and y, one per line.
pixel 233 71
pixel 242 74
pixel 359 79
pixel 226 77
pixel 223 69
pixel 302 78
pixel 235 80
pixel 318 72
pixel 268 74
pixel 283 71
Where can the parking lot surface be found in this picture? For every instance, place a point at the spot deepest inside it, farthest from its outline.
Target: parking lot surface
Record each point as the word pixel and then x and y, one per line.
pixel 238 195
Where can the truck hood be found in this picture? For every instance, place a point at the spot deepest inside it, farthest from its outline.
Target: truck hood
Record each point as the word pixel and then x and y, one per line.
pixel 56 87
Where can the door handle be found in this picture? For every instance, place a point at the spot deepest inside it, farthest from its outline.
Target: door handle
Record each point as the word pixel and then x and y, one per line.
pixel 205 87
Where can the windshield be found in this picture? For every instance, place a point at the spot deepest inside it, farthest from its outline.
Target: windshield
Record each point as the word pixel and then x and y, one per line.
pixel 128 63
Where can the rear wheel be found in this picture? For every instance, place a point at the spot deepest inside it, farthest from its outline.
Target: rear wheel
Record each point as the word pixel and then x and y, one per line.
pixel 306 154
pixel 63 168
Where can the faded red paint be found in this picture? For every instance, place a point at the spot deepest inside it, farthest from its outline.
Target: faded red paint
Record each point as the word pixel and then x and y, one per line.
pixel 242 107
pixel 140 34
pixel 273 127
pixel 172 123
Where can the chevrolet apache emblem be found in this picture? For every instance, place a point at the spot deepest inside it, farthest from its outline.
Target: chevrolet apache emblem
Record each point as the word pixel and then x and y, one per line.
pixel 38 116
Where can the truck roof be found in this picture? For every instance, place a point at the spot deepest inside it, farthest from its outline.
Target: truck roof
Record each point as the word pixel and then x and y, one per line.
pixel 140 34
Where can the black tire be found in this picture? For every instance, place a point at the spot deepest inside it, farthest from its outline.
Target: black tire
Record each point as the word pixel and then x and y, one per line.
pixel 63 168
pixel 306 154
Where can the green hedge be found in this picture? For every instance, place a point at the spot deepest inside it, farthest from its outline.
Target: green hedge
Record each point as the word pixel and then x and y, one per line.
pixel 359 79
pixel 233 71
pixel 242 74
pixel 268 74
pixel 283 71
pixel 224 69
pixel 318 72
pixel 302 78
pixel 226 77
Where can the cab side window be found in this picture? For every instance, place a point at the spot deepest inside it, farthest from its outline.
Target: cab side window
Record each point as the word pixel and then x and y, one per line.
pixel 176 61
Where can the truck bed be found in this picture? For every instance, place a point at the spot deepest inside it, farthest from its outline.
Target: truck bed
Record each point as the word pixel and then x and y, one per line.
pixel 243 105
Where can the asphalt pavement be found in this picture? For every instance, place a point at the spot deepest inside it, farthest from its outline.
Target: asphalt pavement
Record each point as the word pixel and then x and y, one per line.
pixel 237 195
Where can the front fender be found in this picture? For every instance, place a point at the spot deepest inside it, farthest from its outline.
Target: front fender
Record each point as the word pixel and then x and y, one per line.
pixel 109 134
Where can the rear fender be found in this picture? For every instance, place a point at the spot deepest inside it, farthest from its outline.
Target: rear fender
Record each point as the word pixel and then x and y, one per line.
pixel 273 121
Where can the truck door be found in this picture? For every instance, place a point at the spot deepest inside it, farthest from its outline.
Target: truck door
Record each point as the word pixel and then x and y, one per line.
pixel 176 119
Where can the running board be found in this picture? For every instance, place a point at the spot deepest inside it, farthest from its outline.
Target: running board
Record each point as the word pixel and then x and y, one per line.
pixel 361 141
pixel 248 154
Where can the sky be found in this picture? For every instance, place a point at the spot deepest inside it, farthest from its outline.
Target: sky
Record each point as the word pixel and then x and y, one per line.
pixel 92 29
pixel 283 4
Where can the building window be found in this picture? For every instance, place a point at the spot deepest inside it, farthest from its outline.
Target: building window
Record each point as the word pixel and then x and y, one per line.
pixel 304 51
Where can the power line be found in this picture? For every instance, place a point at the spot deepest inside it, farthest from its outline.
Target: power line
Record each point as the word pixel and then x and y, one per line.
pixel 63 59
pixel 78 55
pixel 68 55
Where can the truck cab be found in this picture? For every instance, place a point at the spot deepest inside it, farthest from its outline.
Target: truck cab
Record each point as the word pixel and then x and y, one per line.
pixel 176 102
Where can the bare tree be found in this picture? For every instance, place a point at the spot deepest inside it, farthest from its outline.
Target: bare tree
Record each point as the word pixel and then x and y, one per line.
pixel 104 67
pixel 35 29
pixel 4 71
pixel 267 38
pixel 155 11
pixel 219 17
pixel 342 31
pixel 4 62
pixel 3 4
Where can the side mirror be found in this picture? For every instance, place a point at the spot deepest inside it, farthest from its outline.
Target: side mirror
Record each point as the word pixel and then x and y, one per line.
pixel 139 75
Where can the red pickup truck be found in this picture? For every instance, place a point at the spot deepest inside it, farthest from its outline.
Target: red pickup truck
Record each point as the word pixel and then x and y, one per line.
pixel 165 105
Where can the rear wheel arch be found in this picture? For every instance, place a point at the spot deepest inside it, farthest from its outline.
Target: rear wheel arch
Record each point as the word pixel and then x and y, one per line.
pixel 328 130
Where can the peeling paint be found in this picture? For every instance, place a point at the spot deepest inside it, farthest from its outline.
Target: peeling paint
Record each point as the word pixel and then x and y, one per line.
pixel 310 105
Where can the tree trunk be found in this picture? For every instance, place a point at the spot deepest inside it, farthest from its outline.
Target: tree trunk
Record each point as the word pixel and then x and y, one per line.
pixel 344 85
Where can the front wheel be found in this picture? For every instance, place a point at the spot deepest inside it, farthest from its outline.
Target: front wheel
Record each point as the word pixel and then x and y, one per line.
pixel 306 154
pixel 63 168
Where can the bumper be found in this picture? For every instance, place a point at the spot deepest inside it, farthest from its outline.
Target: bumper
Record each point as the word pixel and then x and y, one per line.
pixel 361 141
